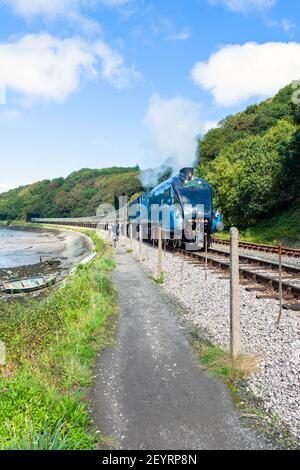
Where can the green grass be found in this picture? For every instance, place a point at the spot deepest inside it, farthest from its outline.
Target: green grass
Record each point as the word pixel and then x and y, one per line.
pixel 283 227
pixel 14 222
pixel 51 347
pixel 161 278
pixel 157 279
pixel 221 365
pixel 218 362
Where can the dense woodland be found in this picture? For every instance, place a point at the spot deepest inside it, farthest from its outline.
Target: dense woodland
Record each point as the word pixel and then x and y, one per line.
pixel 78 195
pixel 252 161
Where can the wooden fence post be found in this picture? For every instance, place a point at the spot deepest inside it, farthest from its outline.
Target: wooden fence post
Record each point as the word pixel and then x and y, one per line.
pixel 280 284
pixel 181 277
pixel 206 248
pixel 140 243
pixel 131 236
pixel 159 253
pixel 147 251
pixel 235 314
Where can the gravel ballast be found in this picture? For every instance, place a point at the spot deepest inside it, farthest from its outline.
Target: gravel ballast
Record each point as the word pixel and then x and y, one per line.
pixel 288 260
pixel 207 305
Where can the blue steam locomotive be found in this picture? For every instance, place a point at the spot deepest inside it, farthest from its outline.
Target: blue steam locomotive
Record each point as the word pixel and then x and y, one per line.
pixel 182 207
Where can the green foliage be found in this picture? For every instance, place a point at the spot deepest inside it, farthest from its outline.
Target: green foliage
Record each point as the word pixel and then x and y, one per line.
pixel 291 170
pixel 252 160
pixel 283 227
pixel 78 195
pixel 161 278
pixel 53 437
pixel 50 350
pixel 219 363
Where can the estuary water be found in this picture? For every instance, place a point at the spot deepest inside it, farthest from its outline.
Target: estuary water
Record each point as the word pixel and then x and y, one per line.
pixel 28 252
pixel 32 246
pixel 22 247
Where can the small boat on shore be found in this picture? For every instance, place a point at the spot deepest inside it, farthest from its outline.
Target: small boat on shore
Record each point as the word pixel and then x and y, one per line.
pixel 30 284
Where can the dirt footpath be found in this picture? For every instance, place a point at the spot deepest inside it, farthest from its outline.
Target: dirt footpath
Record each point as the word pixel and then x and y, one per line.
pixel 150 392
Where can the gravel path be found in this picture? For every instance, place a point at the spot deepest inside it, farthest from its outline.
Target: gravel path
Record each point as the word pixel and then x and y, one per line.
pixel 207 305
pixel 150 392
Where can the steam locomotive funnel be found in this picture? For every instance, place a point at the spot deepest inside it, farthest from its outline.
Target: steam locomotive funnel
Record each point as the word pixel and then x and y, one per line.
pixel 186 174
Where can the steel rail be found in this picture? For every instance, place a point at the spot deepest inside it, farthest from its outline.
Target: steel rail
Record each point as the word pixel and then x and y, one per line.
pixel 259 261
pixel 260 247
pixel 269 281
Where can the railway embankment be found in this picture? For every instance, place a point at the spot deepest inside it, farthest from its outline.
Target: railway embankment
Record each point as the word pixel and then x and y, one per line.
pixel 206 307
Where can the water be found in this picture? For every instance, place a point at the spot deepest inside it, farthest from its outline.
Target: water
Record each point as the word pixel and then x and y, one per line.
pixel 24 248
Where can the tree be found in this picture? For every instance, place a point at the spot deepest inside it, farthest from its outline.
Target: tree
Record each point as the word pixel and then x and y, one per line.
pixel 247 175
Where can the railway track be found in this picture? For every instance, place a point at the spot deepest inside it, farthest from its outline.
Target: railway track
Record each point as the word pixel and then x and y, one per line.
pixel 291 252
pixel 294 253
pixel 259 275
pixel 256 274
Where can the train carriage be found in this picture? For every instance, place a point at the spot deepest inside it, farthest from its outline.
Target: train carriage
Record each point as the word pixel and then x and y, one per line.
pixel 182 207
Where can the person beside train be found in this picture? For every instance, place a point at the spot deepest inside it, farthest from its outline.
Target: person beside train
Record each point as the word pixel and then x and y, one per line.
pixel 116 233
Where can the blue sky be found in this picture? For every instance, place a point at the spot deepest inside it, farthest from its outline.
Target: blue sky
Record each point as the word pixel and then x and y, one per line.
pixel 96 83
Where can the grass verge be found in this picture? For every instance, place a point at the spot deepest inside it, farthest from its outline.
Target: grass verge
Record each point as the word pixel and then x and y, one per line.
pixel 219 364
pixel 157 279
pixel 50 348
pixel 283 227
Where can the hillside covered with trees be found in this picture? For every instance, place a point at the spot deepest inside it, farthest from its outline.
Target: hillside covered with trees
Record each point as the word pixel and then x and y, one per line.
pixel 75 196
pixel 252 161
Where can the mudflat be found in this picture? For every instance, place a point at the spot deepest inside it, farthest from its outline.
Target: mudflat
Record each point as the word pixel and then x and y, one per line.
pixel 26 251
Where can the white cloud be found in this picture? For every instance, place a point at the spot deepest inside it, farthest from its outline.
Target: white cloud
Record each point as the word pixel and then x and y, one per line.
pixel 237 73
pixel 173 126
pixel 114 69
pixel 286 25
pixel 5 187
pixel 29 8
pixel 165 26
pixel 69 9
pixel 53 8
pixel 85 24
pixel 208 125
pixel 40 66
pixel 244 5
pixel 114 3
pixel 182 35
pixel 9 114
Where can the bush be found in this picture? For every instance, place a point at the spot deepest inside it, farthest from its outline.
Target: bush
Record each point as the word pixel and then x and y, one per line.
pixel 247 176
pixel 252 160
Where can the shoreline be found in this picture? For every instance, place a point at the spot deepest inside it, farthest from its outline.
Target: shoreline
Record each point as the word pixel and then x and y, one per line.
pixel 51 347
pixel 57 252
